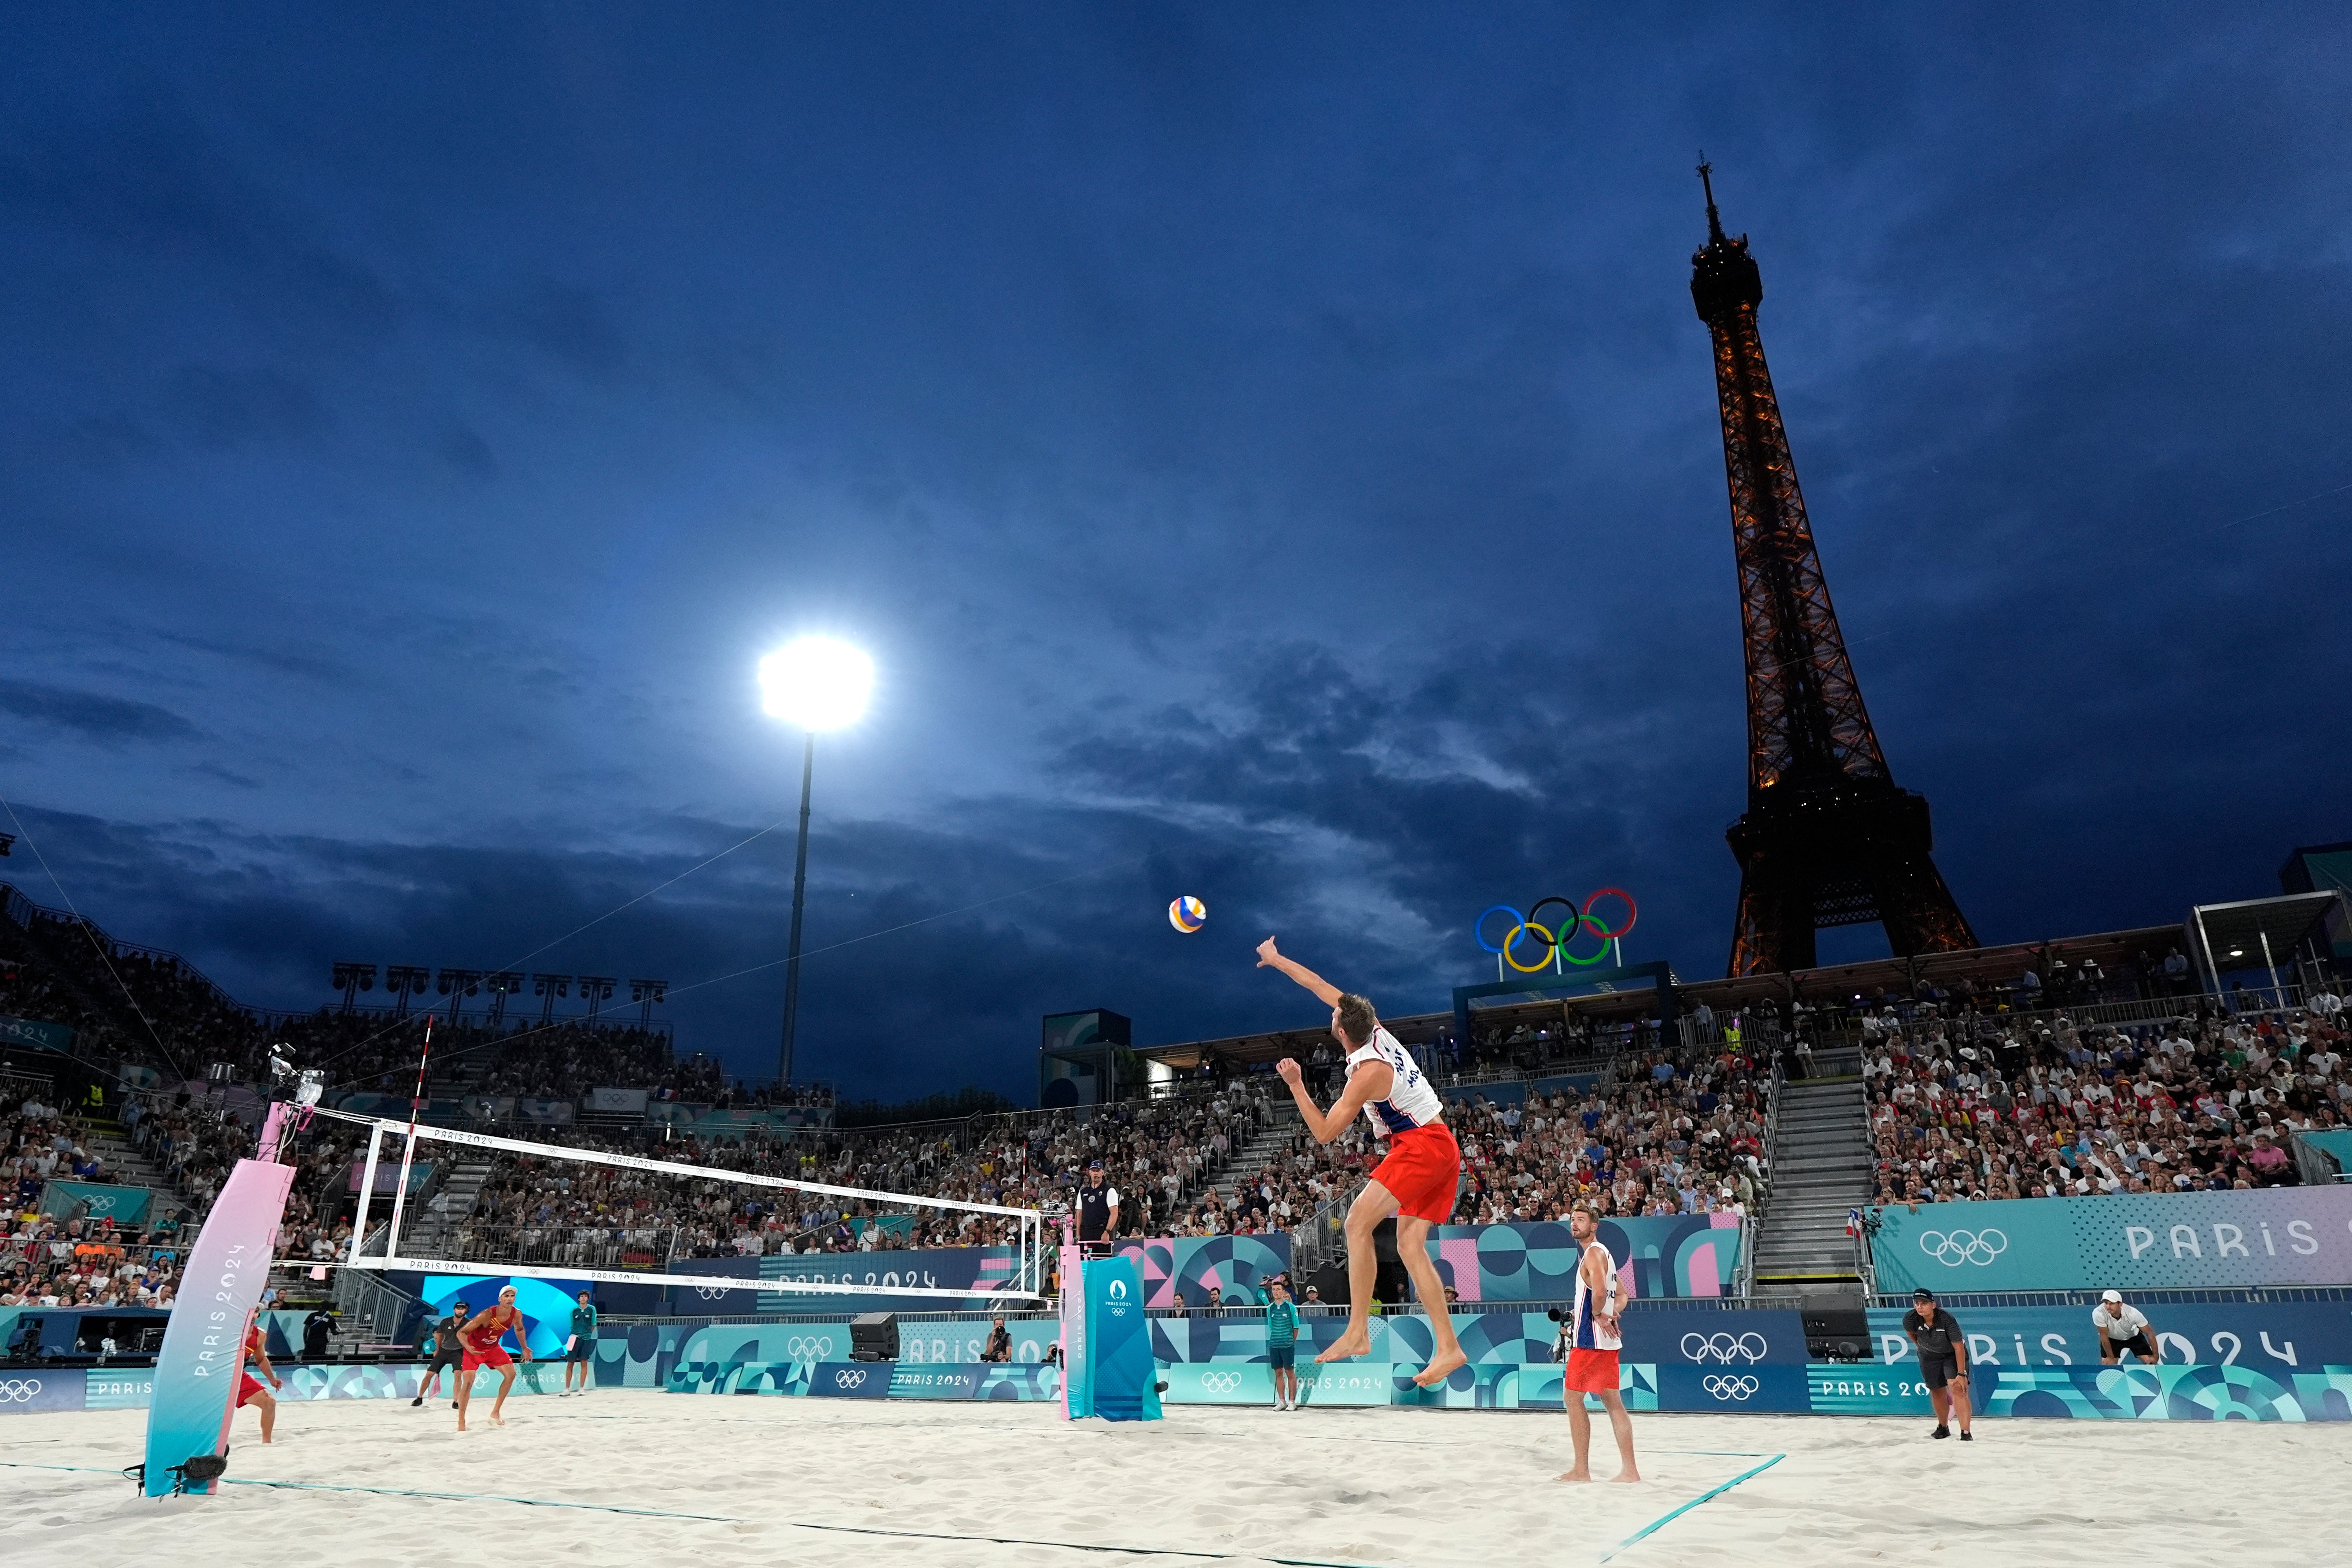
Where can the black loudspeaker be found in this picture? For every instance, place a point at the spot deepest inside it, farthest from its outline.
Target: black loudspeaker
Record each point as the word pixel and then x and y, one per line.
pixel 1330 1283
pixel 874 1336
pixel 1385 1241
pixel 1837 1328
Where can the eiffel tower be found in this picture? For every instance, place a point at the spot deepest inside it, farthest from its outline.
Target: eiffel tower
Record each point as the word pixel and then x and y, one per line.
pixel 1828 838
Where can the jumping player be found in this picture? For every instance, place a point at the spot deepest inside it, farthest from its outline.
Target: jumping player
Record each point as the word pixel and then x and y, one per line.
pixel 481 1336
pixel 1417 1182
pixel 1592 1349
pixel 249 1391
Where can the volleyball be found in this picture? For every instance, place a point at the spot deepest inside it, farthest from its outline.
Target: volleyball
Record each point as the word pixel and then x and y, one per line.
pixel 1187 915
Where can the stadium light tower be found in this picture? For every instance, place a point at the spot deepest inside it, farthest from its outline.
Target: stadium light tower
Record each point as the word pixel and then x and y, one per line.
pixel 818 684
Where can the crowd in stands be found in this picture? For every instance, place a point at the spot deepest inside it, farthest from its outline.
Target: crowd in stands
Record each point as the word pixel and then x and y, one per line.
pixel 2025 1108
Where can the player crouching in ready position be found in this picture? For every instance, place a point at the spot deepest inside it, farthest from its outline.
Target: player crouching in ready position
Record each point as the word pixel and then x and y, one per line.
pixel 481 1336
pixel 1417 1182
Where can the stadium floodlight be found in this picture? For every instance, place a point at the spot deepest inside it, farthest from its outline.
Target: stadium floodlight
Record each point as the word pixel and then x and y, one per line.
pixel 816 683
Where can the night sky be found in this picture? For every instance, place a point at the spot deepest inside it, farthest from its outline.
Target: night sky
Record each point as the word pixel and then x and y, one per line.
pixel 1269 452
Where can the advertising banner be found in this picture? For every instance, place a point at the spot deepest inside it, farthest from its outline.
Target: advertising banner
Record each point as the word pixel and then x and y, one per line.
pixel 1190 1267
pixel 936 1382
pixel 617 1102
pixel 1685 1255
pixel 387 1176
pixel 2276 1338
pixel 79 1200
pixel 2281 1235
pixel 850 1380
pixel 35 1035
pixel 545 1112
pixel 932 1269
pixel 23 1389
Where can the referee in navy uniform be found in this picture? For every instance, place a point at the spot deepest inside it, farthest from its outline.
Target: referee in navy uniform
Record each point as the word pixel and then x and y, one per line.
pixel 1943 1362
pixel 1098 1206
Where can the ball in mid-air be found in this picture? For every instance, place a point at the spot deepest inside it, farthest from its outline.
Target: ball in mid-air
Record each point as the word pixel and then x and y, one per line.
pixel 1188 914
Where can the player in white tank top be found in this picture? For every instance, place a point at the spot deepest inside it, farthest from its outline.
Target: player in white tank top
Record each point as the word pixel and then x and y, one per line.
pixel 1411 1101
pixel 1418 1180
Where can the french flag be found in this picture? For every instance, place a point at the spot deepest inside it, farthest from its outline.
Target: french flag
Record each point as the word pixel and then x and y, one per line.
pixel 1853 1222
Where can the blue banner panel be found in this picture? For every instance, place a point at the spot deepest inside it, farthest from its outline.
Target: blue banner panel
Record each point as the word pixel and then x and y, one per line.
pixel 978 1268
pixel 2284 1235
pixel 1238 1383
pixel 1866 1390
pixel 545 1304
pixel 1764 1336
pixel 94 1200
pixel 850 1380
pixel 2274 1338
pixel 24 1390
pixel 1190 1267
pixel 1112 1372
pixel 936 1382
pixel 1734 1390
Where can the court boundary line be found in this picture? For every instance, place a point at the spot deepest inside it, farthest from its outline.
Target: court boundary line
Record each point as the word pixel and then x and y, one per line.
pixel 1661 1523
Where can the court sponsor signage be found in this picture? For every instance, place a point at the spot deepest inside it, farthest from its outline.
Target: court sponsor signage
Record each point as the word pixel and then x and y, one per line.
pixel 36 1035
pixel 936 1382
pixel 2206 1392
pixel 1863 1389
pixel 850 1380
pixel 617 1102
pixel 1230 1383
pixel 93 1200
pixel 2283 1235
pixel 25 1390
pixel 2275 1338
pixel 1733 1389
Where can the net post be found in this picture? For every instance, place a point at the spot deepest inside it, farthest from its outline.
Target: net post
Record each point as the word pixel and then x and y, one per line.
pixel 367 1191
pixel 399 1200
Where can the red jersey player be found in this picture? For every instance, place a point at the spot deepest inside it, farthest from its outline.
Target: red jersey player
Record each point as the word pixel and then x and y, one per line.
pixel 481 1338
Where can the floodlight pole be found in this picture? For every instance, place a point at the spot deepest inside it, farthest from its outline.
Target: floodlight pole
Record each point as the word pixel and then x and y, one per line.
pixel 792 954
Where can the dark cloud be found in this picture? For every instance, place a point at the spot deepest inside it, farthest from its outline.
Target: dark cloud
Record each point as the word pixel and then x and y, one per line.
pixel 91 714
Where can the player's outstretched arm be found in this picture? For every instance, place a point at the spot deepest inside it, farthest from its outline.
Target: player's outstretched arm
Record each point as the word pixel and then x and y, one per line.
pixel 1325 992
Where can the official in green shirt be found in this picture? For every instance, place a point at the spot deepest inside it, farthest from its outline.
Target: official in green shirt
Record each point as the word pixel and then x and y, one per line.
pixel 1282 1345
pixel 584 1344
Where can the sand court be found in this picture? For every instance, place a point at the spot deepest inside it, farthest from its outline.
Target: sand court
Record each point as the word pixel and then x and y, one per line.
pixel 647 1476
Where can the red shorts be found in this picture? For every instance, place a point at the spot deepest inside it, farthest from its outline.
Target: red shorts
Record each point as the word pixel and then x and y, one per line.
pixel 1591 1371
pixel 494 1356
pixel 1423 1172
pixel 247 1385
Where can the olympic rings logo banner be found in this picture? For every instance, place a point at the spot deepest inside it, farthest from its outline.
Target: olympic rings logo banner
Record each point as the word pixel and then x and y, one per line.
pixel 1953 1248
pixel 2153 1241
pixel 1736 1387
pixel 20 1390
pixel 1727 1348
pixel 1550 943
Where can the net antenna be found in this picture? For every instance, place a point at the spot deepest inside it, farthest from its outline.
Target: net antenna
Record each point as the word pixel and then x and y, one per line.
pixel 1026 1282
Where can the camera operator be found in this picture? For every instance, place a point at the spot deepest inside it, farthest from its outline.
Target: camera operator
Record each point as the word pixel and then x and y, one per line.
pixel 1943 1361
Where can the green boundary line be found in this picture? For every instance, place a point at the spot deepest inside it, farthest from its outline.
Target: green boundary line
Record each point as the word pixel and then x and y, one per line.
pixel 1658 1524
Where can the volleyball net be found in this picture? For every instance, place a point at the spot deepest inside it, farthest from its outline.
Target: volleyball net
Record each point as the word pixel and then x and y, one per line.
pixel 618 1248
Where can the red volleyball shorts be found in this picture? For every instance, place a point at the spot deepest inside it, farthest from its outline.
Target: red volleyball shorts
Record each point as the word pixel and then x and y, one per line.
pixel 1423 1172
pixel 494 1356
pixel 247 1385
pixel 1591 1371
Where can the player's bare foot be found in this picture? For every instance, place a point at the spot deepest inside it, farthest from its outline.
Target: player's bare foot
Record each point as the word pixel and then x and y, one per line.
pixel 1627 1474
pixel 1441 1366
pixel 1577 1476
pixel 1348 1346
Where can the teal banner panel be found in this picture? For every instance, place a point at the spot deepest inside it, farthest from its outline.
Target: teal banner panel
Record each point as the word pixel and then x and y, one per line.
pixel 33 1034
pixel 2283 1235
pixel 90 1200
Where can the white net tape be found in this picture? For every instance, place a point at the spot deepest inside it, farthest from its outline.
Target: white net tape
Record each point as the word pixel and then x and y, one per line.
pixel 1023 1284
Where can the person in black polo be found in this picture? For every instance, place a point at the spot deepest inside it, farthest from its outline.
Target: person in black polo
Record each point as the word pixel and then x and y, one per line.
pixel 1943 1361
pixel 1098 1206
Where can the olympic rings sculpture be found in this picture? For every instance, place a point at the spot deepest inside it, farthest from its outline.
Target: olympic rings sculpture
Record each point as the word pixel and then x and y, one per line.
pixel 1555 938
pixel 1721 1387
pixel 1725 1348
pixel 1976 1246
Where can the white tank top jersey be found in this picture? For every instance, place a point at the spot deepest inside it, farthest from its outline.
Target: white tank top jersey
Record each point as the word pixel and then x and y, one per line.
pixel 1589 1335
pixel 1411 1102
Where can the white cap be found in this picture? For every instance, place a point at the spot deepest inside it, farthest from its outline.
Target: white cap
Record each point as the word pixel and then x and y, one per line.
pixel 2113 1296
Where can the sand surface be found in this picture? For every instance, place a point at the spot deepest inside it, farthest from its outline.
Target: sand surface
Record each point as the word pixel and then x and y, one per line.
pixel 1391 1488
